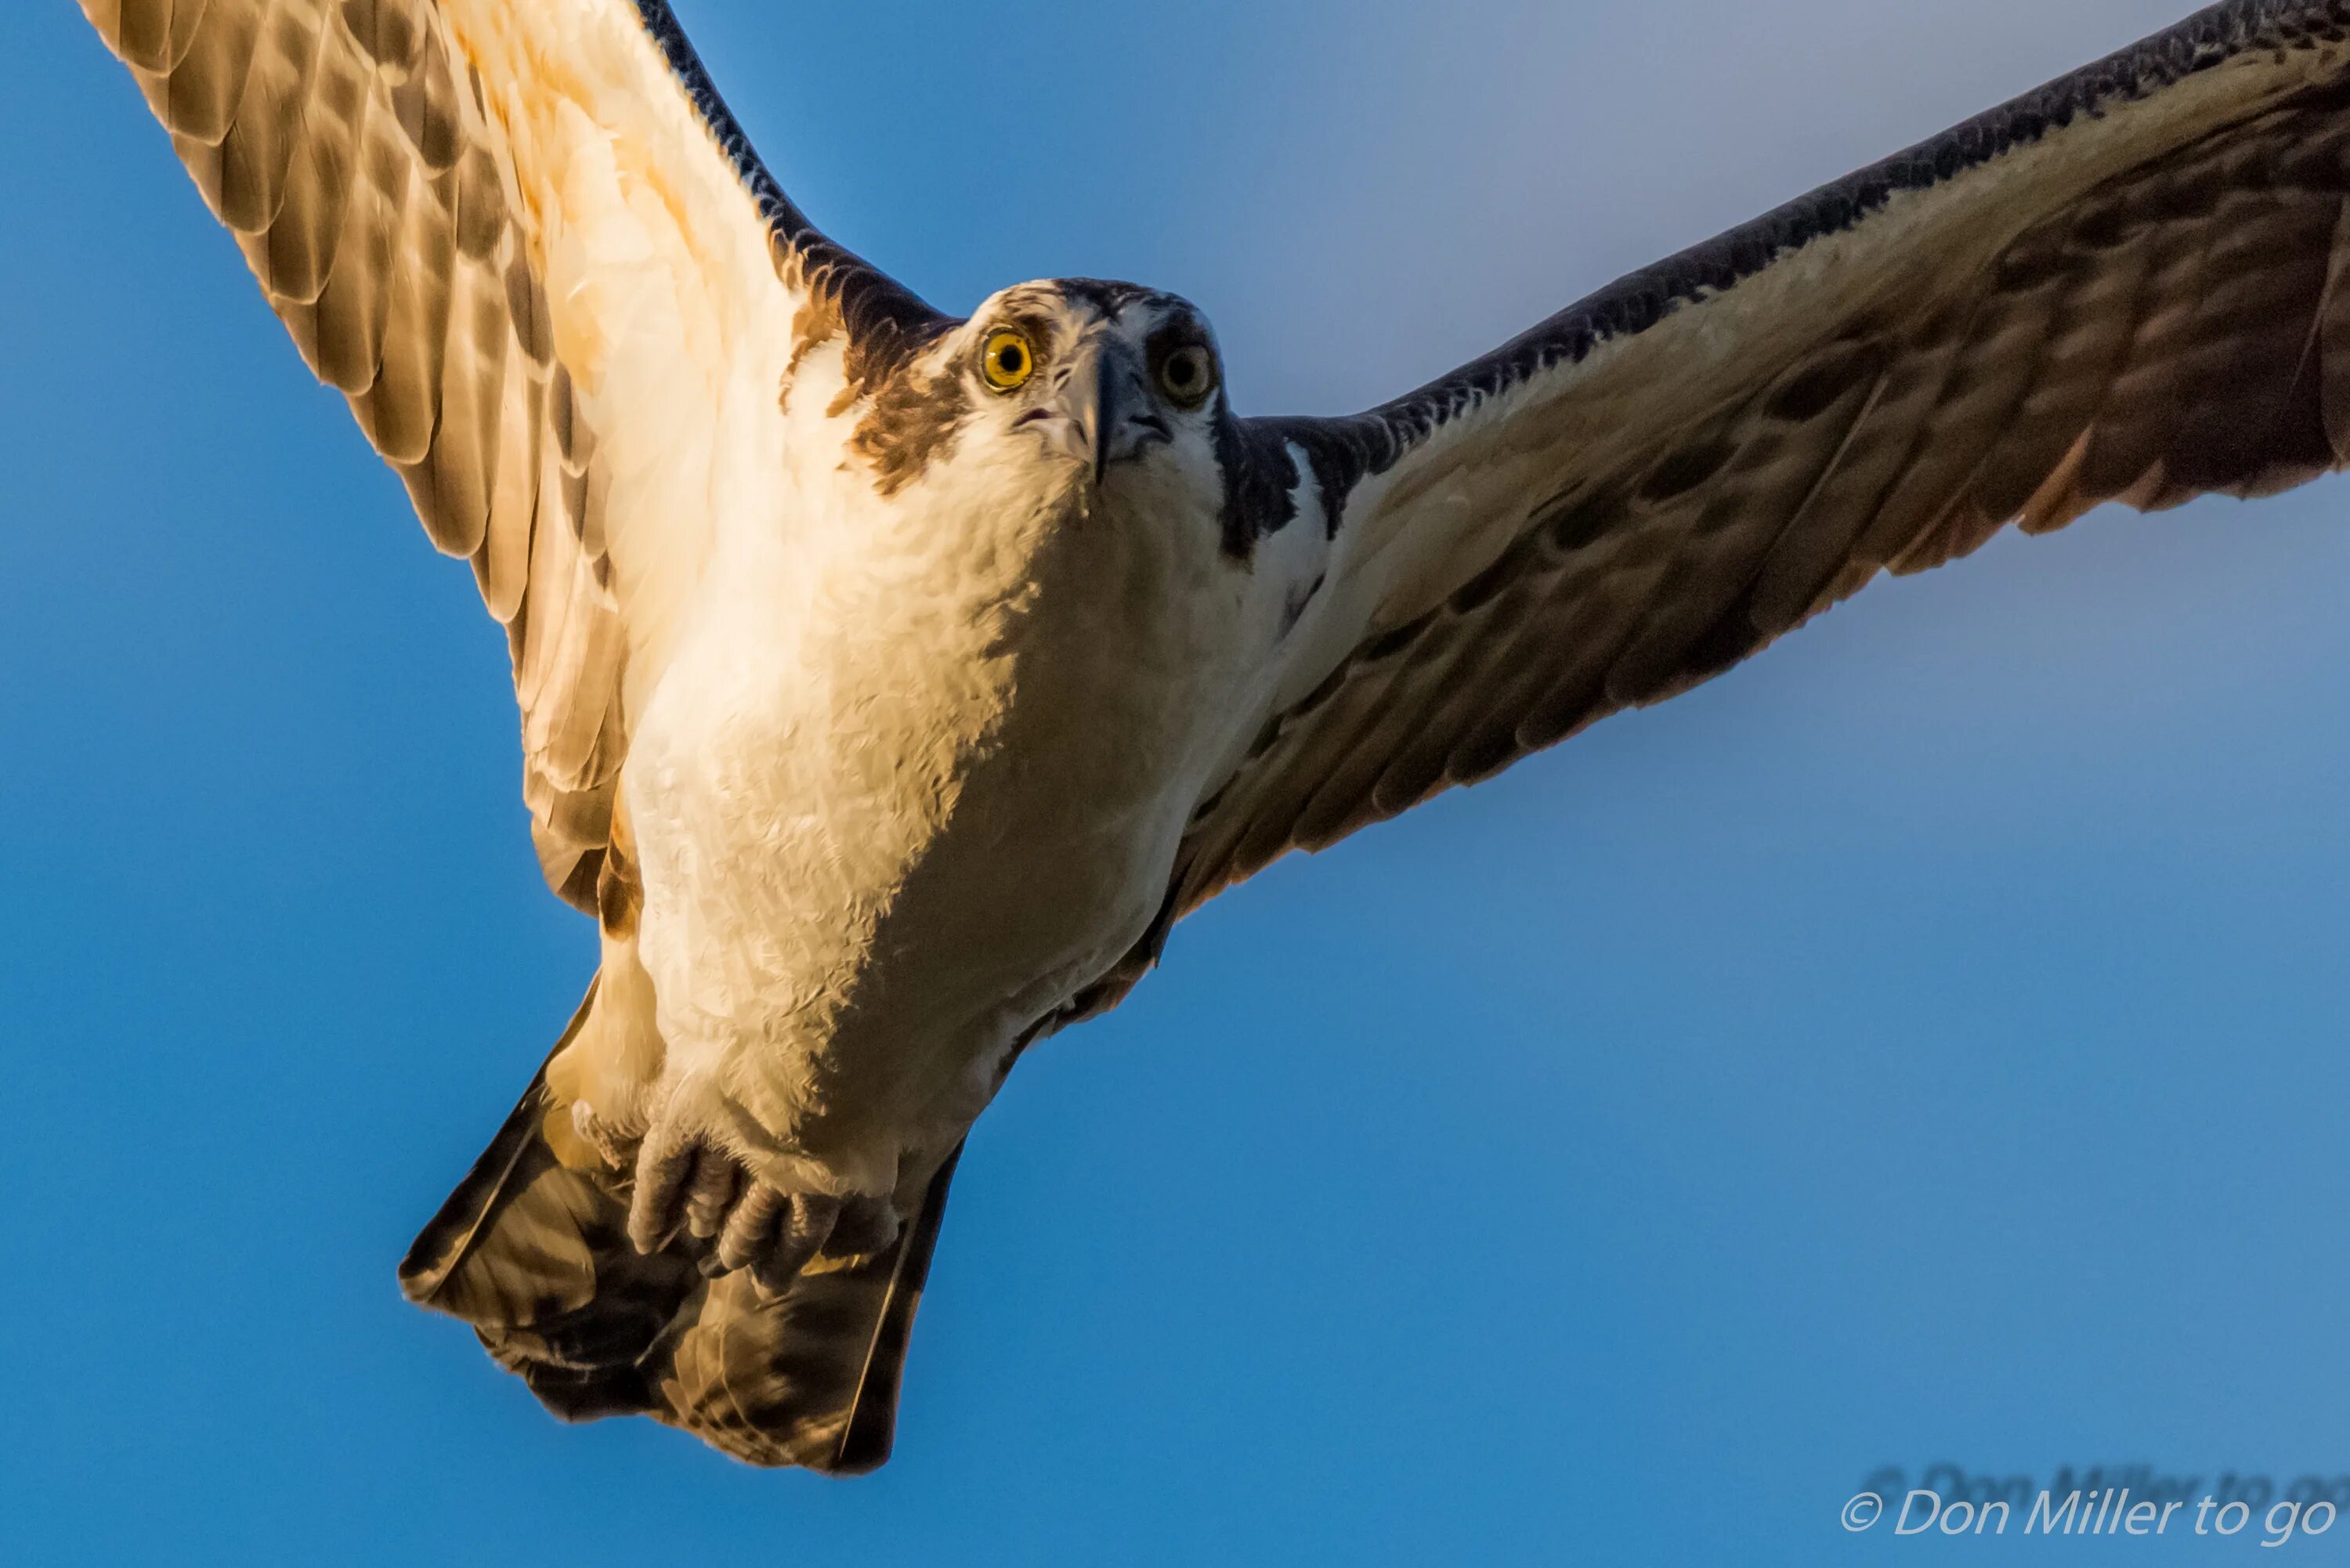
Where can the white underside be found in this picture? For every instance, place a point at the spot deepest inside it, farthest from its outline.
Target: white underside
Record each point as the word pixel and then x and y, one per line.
pixel 914 775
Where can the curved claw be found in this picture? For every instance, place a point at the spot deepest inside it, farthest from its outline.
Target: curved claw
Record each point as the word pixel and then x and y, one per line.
pixel 750 1232
pixel 808 1228
pixel 718 1182
pixel 686 1183
pixel 657 1205
pixel 865 1225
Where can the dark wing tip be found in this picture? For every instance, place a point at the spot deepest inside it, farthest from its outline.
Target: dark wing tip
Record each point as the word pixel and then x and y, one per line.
pixel 1353 446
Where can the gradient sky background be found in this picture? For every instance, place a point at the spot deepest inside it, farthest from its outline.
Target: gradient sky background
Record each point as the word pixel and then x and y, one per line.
pixel 1925 1043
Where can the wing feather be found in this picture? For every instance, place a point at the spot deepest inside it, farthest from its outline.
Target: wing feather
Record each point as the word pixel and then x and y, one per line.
pixel 2127 286
pixel 531 248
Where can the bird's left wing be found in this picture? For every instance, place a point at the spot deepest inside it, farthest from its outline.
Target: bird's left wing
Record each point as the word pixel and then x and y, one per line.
pixel 530 245
pixel 527 242
pixel 2132 284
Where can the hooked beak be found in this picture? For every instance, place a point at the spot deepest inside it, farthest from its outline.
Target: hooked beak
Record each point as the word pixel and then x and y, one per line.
pixel 1100 412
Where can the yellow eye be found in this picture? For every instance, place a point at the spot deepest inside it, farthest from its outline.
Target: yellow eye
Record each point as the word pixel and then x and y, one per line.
pixel 1007 361
pixel 1188 375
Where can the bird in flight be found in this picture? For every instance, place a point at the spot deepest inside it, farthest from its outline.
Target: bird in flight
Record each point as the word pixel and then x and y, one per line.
pixel 891 682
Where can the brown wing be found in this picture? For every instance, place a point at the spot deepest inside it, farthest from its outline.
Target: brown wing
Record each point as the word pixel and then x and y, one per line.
pixel 2127 287
pixel 531 246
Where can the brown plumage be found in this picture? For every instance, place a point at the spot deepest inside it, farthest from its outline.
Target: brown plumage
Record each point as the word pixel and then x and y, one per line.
pixel 344 149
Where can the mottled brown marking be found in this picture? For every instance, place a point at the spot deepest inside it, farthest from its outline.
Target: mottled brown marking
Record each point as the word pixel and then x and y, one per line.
pixel 913 420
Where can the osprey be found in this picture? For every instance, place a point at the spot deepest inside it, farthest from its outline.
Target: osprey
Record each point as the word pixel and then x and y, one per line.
pixel 891 682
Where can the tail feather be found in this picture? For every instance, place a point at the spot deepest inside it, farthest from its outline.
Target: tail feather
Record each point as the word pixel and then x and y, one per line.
pixel 534 1256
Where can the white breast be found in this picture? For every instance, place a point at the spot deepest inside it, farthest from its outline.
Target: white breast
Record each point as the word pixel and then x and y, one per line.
pixel 916 774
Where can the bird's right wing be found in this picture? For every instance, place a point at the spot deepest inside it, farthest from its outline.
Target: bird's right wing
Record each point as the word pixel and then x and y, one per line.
pixel 527 241
pixel 2132 284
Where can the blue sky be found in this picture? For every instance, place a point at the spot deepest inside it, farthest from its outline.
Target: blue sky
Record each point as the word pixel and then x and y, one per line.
pixel 1923 1044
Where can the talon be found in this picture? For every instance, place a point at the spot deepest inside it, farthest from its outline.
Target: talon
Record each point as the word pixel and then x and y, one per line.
pixel 865 1225
pixel 810 1225
pixel 751 1230
pixel 657 1205
pixel 717 1183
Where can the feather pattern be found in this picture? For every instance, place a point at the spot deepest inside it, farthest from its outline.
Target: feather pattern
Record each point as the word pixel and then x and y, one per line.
pixel 2127 286
pixel 409 180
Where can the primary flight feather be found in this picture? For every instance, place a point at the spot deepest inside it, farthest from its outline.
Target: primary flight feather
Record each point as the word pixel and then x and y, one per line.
pixel 891 682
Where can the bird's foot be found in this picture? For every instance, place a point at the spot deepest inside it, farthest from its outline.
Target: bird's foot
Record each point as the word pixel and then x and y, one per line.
pixel 695 1174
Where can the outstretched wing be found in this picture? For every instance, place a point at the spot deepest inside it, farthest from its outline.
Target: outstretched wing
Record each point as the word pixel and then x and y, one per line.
pixel 2129 286
pixel 530 245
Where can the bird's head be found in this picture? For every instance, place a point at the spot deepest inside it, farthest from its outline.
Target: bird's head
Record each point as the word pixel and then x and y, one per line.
pixel 1094 387
pixel 1097 376
pixel 1078 399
